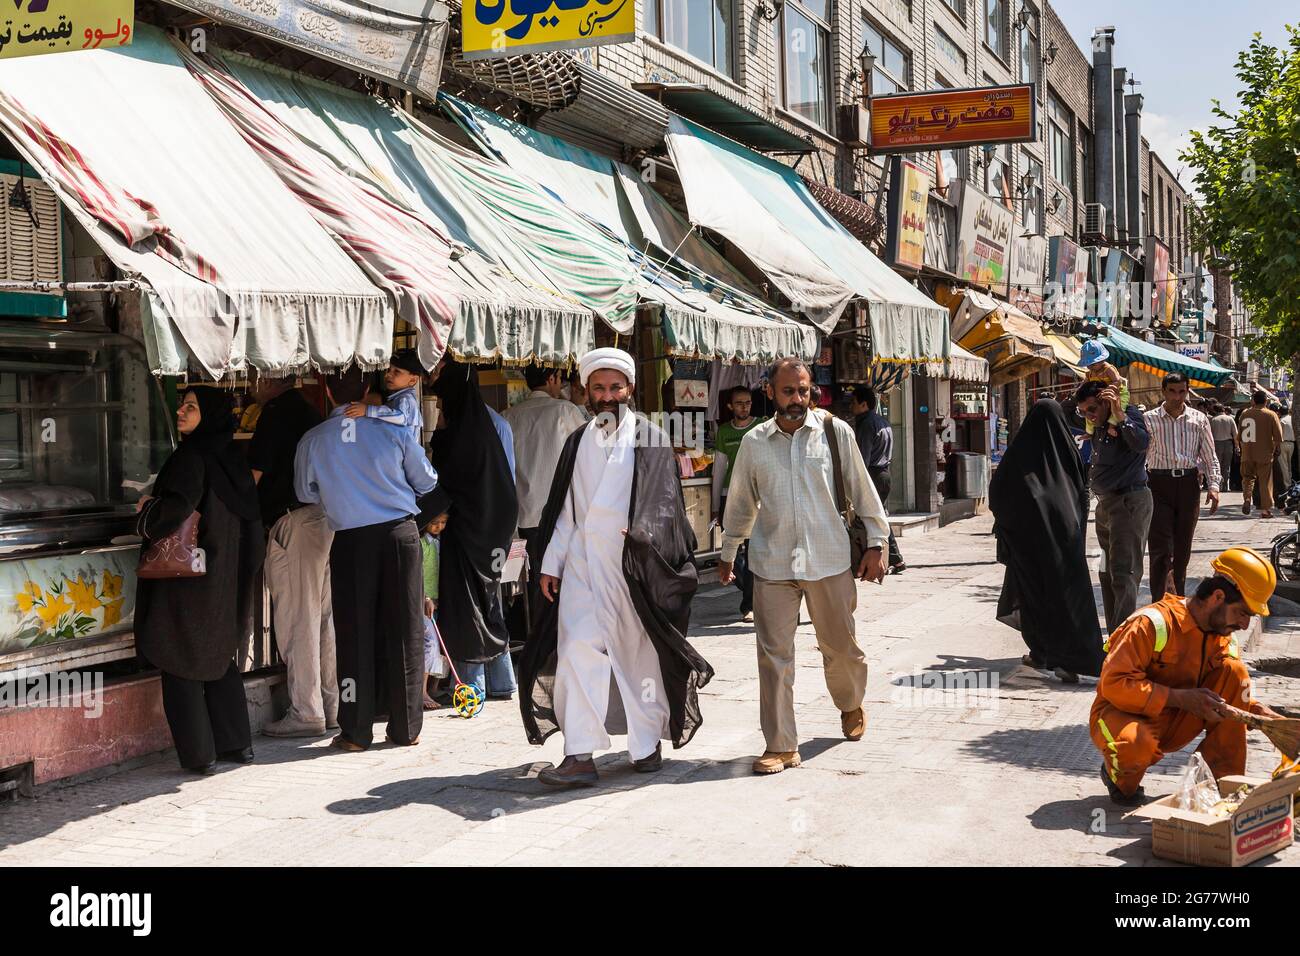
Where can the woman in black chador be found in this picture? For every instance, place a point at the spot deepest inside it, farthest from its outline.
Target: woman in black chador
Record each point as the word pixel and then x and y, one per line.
pixel 190 628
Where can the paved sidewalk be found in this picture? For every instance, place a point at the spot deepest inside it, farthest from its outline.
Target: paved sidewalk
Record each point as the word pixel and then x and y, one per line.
pixel 975 776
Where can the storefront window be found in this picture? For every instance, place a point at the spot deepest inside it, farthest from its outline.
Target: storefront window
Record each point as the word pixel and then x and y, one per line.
pixel 804 41
pixel 703 28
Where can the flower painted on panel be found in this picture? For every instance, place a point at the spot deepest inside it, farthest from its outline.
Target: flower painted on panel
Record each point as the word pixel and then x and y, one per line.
pixel 82 593
pixel 28 596
pixel 113 612
pixel 55 607
pixel 112 586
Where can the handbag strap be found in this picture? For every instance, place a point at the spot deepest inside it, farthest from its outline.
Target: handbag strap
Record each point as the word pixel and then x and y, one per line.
pixel 841 500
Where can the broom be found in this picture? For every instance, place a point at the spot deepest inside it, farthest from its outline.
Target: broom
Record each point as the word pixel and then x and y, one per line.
pixel 1283 732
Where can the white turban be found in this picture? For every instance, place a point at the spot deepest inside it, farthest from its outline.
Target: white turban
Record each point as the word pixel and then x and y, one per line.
pixel 598 359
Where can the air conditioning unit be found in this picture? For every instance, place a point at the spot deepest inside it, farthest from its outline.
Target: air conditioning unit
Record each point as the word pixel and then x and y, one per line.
pixel 31 237
pixel 855 125
pixel 1094 219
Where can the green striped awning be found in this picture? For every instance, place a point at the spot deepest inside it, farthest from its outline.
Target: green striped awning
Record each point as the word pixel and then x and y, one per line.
pixel 1126 349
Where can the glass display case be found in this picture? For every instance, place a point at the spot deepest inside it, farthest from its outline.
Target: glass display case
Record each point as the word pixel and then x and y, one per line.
pixel 83 433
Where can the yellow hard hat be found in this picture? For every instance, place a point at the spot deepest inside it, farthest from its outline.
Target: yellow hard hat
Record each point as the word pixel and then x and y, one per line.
pixel 1252 573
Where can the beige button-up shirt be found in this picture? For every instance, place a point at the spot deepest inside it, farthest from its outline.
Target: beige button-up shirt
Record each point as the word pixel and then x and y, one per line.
pixel 782 498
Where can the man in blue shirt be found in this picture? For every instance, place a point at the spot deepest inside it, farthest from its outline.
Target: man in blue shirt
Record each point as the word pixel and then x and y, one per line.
pixel 366 475
pixel 1124 504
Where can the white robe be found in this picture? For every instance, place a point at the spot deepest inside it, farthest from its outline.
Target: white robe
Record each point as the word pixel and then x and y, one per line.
pixel 600 636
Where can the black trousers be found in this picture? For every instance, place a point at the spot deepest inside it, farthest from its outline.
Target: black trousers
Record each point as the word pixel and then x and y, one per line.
pixel 880 478
pixel 378 592
pixel 1176 507
pixel 206 717
pixel 744 577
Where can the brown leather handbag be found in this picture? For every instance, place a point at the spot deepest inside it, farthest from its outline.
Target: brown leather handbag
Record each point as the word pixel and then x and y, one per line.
pixel 176 555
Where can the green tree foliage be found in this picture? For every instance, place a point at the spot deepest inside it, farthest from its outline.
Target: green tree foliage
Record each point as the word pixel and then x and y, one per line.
pixel 1248 174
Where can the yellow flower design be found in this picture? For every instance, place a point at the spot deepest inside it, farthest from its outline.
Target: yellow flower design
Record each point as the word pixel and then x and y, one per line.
pixel 55 607
pixel 83 595
pixel 112 586
pixel 28 596
pixel 113 612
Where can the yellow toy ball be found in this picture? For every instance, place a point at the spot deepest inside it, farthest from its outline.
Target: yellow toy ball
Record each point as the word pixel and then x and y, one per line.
pixel 466 700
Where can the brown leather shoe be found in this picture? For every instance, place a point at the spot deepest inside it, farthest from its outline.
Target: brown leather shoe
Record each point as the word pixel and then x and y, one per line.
pixel 854 724
pixel 773 762
pixel 342 743
pixel 571 772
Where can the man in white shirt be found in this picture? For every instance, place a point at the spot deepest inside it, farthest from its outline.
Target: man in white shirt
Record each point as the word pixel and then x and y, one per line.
pixel 782 499
pixel 1226 442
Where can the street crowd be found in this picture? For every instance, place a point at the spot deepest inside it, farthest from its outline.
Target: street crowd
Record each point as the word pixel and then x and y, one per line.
pixel 383 557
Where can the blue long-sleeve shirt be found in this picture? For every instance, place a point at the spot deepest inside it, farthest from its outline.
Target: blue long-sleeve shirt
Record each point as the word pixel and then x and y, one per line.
pixel 361 471
pixel 1121 461
pixel 401 409
pixel 507 436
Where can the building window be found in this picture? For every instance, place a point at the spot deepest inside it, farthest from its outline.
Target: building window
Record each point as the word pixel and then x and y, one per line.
pixel 893 72
pixel 703 28
pixel 1060 142
pixel 949 50
pixel 958 7
pixel 947 165
pixel 803 33
pixel 995 26
pixel 1029 58
pixel 997 173
pixel 1032 199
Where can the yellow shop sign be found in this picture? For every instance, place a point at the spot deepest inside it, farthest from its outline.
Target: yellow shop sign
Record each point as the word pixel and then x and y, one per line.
pixel 505 27
pixel 63 26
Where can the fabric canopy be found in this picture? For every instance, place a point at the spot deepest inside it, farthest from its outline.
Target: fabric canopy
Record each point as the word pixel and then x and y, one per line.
pixel 1126 349
pixel 962 366
pixel 701 315
pixel 503 313
pixel 238 271
pixel 1066 349
pixel 765 210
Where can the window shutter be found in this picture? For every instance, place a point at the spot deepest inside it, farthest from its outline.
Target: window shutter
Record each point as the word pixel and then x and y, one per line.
pixel 34 249
pixel 5 272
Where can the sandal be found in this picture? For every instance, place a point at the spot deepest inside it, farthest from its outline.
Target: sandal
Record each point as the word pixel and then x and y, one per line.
pixel 342 743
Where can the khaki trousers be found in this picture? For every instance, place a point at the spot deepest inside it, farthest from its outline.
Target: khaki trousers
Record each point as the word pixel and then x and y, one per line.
pixel 1261 471
pixel 831 603
pixel 298 575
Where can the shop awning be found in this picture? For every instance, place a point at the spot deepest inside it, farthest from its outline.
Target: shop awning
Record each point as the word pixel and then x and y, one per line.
pixel 238 271
pixel 764 209
pixel 502 313
pixel 1066 348
pixel 1126 349
pixel 1012 342
pixel 962 366
pixel 730 118
pixel 703 315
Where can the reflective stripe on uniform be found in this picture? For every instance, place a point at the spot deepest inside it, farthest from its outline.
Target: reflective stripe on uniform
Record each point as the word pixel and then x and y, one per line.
pixel 1114 751
pixel 1157 619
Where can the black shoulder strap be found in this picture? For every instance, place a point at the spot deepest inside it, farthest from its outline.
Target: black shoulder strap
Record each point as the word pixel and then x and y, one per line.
pixel 840 499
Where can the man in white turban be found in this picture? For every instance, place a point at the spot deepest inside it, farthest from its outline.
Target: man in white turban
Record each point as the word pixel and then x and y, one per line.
pixel 608 652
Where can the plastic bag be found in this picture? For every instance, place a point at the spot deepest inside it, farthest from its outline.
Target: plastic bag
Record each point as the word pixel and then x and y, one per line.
pixel 435 663
pixel 1197 790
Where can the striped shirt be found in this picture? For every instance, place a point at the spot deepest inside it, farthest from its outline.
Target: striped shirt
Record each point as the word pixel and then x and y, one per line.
pixel 1182 442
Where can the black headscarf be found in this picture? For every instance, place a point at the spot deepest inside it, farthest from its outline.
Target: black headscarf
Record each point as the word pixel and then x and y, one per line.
pixel 1040 506
pixel 227 470
pixel 474 471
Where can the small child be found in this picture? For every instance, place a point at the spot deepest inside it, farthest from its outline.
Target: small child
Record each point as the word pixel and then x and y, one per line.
pixel 1093 358
pixel 403 405
pixel 432 521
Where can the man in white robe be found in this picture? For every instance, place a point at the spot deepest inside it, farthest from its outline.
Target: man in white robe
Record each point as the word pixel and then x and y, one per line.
pixel 601 635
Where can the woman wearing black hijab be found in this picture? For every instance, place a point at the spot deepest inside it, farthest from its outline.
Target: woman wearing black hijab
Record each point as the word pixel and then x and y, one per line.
pixel 473 469
pixel 190 628
pixel 1040 507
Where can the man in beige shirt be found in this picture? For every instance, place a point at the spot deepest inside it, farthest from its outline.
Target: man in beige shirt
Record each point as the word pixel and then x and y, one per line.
pixel 1261 442
pixel 782 498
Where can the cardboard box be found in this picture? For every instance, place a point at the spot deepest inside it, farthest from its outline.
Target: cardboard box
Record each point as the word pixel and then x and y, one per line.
pixel 1261 826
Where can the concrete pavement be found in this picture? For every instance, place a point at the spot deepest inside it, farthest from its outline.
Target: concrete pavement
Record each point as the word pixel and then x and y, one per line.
pixel 995 769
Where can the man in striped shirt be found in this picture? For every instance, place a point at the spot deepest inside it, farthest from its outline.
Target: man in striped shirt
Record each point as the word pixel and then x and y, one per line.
pixel 1181 455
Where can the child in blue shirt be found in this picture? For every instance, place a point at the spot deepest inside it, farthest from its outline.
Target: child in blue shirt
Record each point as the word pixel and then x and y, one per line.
pixel 403 405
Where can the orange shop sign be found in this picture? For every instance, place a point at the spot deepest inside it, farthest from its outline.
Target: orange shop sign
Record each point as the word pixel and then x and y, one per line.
pixel 943 119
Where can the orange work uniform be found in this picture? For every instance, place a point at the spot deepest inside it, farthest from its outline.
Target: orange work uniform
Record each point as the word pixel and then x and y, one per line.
pixel 1131 723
